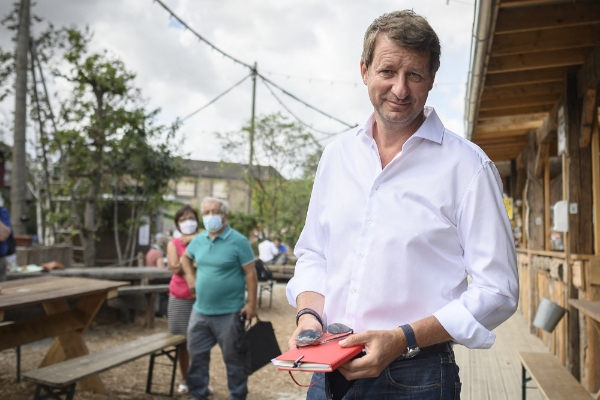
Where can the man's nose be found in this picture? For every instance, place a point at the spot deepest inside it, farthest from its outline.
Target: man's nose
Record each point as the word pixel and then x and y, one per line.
pixel 400 86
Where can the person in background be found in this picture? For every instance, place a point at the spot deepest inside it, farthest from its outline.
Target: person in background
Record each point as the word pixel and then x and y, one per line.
pixel 281 258
pixel 225 269
pixel 5 231
pixel 267 251
pixel 181 300
pixel 155 257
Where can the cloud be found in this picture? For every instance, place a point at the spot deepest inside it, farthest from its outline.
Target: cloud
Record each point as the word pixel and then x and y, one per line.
pixel 311 48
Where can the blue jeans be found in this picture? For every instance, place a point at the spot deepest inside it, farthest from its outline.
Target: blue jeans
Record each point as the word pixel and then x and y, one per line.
pixel 204 331
pixel 429 377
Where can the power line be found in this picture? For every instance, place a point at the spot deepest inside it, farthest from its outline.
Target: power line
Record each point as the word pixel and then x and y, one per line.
pixel 216 98
pixel 305 103
pixel 182 22
pixel 328 134
pixel 201 38
pixel 310 80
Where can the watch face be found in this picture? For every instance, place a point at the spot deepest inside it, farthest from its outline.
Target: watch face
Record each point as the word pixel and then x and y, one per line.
pixel 411 352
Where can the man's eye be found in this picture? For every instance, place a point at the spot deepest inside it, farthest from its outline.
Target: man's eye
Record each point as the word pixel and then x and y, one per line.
pixel 414 76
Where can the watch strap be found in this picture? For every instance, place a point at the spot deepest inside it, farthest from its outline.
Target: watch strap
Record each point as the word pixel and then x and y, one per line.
pixel 411 341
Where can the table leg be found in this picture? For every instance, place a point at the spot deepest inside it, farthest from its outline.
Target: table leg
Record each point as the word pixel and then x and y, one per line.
pixel 149 310
pixel 70 345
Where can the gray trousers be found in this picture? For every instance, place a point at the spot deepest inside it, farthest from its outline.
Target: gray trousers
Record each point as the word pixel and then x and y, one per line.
pixel 204 331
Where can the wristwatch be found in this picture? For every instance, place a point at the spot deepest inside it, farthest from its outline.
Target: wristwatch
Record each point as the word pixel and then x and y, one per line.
pixel 411 342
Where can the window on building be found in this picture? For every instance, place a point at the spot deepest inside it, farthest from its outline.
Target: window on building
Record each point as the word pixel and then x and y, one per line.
pixel 186 189
pixel 219 189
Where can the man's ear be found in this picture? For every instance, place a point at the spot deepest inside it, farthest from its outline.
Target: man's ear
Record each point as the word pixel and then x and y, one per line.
pixel 363 71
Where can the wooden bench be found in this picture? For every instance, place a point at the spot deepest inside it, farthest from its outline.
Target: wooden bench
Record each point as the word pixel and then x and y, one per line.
pixel 551 378
pixel 59 379
pixel 149 291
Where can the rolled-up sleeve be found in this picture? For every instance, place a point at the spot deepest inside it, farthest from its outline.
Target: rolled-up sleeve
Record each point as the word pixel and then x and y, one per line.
pixel 311 268
pixel 490 259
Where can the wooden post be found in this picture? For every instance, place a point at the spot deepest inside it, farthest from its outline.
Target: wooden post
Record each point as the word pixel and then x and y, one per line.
pixel 595 150
pixel 547 201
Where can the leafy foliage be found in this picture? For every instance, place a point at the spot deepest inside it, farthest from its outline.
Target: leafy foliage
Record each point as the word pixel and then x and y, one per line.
pixel 109 144
pixel 280 204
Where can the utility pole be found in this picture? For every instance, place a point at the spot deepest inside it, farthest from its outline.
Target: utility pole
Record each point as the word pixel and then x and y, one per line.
pixel 251 157
pixel 18 185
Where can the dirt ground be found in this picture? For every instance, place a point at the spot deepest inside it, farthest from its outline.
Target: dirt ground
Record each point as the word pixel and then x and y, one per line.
pixel 128 381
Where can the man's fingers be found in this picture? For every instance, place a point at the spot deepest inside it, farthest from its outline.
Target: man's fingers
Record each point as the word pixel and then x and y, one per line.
pixel 355 340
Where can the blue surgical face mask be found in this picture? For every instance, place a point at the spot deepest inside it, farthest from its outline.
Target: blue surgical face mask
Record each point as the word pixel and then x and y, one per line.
pixel 212 223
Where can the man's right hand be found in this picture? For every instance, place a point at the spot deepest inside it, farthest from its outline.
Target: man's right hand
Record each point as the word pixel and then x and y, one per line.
pixel 191 281
pixel 305 322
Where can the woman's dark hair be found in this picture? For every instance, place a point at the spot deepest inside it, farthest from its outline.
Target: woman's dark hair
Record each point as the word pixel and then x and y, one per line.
pixel 182 211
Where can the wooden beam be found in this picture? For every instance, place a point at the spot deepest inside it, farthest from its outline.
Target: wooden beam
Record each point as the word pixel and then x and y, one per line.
pixel 595 149
pixel 587 117
pixel 523 101
pixel 499 140
pixel 511 92
pixel 511 123
pixel 524 19
pixel 547 209
pixel 588 75
pixel 548 128
pixel 546 40
pixel 540 159
pixel 506 134
pixel 520 3
pixel 525 77
pixel 507 112
pixel 546 59
pixel 31 330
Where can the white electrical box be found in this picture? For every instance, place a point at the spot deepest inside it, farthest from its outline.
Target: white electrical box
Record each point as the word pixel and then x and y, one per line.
pixel 561 216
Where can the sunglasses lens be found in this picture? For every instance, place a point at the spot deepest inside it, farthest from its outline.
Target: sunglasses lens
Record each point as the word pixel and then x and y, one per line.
pixel 337 328
pixel 309 337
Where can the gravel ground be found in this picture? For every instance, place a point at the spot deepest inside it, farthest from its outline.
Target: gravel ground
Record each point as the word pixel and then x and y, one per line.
pixel 129 381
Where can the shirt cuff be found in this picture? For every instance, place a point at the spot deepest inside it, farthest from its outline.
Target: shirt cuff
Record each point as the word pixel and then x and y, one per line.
pixel 305 281
pixel 463 327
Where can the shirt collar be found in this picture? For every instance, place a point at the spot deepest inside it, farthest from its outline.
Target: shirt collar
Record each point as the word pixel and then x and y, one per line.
pixel 431 129
pixel 223 235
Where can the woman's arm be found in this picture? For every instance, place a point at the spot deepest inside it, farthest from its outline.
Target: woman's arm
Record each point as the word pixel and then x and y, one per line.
pixel 173 259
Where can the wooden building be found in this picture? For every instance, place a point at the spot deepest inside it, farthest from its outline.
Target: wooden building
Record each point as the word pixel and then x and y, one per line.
pixel 532 106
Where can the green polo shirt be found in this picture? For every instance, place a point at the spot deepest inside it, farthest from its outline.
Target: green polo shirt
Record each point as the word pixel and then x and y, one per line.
pixel 220 279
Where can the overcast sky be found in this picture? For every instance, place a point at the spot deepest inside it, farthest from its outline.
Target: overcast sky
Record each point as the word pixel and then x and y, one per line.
pixel 311 48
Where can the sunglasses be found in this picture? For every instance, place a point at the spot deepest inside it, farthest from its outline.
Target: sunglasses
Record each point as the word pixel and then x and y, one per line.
pixel 311 337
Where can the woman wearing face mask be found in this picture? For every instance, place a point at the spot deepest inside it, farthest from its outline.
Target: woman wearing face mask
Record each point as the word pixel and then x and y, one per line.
pixel 181 299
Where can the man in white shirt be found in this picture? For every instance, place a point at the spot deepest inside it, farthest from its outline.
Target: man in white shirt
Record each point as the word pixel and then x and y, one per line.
pixel 402 211
pixel 267 251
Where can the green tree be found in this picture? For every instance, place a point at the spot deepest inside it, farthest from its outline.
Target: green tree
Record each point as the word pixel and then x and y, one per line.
pixel 287 147
pixel 109 144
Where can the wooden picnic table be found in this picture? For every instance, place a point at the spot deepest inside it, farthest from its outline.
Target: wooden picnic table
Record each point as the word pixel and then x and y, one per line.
pixel 62 322
pixel 131 274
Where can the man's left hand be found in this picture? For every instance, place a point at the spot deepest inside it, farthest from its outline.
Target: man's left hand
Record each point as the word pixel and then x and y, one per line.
pixel 382 348
pixel 249 310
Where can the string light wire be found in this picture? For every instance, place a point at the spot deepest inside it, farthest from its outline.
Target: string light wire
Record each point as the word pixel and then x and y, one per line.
pixel 215 99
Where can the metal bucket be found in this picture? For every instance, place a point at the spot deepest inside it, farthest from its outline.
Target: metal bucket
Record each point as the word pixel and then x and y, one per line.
pixel 548 315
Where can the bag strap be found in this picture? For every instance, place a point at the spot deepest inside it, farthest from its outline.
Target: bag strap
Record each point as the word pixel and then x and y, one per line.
pixel 249 322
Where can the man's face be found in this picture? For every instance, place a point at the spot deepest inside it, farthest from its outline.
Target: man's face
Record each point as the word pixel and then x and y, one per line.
pixel 277 242
pixel 398 81
pixel 213 208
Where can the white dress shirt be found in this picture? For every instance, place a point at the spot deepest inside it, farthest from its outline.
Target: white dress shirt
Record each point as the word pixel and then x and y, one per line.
pixel 393 246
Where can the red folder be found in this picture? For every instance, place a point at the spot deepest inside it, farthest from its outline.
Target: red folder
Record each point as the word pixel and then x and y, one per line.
pixel 324 357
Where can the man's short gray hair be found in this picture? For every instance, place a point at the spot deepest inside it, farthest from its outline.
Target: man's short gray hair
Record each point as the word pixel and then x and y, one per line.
pixel 224 204
pixel 408 29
